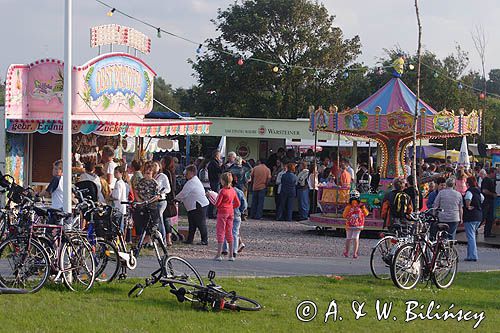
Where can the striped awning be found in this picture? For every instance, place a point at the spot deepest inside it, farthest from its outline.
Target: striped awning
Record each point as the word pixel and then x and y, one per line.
pixel 149 128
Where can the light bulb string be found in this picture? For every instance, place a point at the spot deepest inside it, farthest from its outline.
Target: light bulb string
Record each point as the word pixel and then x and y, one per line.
pixel 273 63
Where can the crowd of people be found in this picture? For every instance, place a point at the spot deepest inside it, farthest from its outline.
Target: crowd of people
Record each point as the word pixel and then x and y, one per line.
pixel 459 196
pixel 463 195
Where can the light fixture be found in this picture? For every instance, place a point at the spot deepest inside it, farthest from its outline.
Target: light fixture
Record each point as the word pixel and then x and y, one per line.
pixel 110 13
pixel 158 32
pixel 240 62
pixel 198 50
pixel 411 67
pixel 276 69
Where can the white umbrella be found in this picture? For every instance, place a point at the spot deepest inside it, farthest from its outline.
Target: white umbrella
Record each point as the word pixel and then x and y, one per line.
pixel 222 146
pixel 463 158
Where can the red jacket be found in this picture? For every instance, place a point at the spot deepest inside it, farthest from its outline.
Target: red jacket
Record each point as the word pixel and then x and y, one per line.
pixel 227 200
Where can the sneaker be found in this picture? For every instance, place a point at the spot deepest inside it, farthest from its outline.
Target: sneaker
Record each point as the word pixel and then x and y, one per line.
pixel 231 259
pixel 467 259
pixel 202 243
pixel 241 247
pixel 224 253
pixel 219 258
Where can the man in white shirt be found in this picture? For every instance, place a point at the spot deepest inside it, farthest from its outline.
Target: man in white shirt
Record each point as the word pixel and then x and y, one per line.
pixel 194 199
pixel 120 194
pixel 108 154
pixel 90 175
pixel 55 188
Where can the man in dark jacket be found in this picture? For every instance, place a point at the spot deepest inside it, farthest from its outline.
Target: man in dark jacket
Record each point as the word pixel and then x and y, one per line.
pixel 488 188
pixel 215 169
pixel 288 193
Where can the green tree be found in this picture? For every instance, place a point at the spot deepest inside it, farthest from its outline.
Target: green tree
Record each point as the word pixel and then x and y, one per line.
pixel 2 94
pixel 164 93
pixel 295 34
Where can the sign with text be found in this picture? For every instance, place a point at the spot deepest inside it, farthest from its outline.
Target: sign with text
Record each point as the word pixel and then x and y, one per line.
pixel 114 34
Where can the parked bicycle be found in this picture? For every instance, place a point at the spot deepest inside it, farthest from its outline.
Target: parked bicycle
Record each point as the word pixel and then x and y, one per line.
pixel 425 260
pixel 398 234
pixel 186 284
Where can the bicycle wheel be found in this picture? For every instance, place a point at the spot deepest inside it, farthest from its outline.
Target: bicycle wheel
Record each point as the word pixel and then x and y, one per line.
pixel 381 257
pixel 240 303
pixel 107 260
pixel 77 264
pixel 446 267
pixel 3 224
pixel 159 247
pixel 406 268
pixel 23 265
pixel 181 274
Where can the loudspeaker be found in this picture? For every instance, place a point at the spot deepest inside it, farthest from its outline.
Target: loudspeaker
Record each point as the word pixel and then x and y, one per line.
pixel 481 148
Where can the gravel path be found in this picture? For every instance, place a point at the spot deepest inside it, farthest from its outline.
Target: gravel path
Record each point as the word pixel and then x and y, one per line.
pixel 267 238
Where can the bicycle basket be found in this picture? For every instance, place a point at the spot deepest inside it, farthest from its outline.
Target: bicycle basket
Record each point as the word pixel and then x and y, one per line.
pixel 107 222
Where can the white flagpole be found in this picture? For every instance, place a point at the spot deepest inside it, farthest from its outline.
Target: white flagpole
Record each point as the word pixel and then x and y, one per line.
pixel 66 152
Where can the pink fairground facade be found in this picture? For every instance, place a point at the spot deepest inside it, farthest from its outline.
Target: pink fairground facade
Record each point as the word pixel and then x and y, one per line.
pixel 112 94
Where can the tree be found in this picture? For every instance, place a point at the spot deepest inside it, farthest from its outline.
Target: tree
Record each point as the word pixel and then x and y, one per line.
pixel 164 93
pixel 297 35
pixel 2 94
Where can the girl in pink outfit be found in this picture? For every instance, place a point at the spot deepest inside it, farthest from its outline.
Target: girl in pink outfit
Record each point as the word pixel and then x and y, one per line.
pixel 227 201
pixel 460 182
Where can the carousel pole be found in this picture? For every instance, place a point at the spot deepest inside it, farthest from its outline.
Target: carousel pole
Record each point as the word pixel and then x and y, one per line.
pixel 338 158
pixel 66 153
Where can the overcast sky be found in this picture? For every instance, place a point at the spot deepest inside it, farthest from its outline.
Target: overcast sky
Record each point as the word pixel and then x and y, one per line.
pixel 33 29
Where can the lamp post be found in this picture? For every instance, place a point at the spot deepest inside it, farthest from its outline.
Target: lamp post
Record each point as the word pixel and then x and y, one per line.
pixel 66 152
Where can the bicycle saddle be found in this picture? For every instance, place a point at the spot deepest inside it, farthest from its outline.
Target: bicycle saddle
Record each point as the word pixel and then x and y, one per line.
pixel 443 227
pixel 55 213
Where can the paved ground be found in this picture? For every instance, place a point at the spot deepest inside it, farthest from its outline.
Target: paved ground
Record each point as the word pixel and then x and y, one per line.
pixel 289 248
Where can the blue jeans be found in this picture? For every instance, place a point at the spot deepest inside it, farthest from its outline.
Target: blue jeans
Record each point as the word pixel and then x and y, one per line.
pixel 452 232
pixel 286 207
pixel 470 232
pixel 236 234
pixel 258 204
pixel 303 196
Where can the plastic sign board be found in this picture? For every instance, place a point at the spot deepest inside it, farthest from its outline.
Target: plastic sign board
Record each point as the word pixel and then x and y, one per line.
pixel 114 34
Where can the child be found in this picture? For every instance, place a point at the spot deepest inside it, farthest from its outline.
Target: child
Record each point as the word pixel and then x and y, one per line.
pixel 354 213
pixel 120 194
pixel 227 201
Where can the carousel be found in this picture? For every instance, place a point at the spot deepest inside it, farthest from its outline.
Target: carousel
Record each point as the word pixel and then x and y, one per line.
pixel 386 117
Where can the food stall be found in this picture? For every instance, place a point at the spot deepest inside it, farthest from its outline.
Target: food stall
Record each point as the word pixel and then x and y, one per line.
pixel 112 93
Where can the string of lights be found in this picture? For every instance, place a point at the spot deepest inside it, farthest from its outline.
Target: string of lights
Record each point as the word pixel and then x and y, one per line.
pixel 277 66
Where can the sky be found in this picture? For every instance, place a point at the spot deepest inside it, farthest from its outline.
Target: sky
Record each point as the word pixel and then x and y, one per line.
pixel 34 29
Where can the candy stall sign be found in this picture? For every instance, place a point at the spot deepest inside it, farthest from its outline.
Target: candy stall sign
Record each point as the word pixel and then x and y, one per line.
pixel 116 84
pixel 117 81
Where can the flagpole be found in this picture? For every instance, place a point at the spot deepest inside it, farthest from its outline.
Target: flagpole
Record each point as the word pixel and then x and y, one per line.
pixel 66 153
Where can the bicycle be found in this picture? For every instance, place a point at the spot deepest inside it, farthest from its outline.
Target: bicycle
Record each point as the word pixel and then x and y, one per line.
pixel 112 253
pixel 383 252
pixel 187 285
pixel 424 260
pixel 36 249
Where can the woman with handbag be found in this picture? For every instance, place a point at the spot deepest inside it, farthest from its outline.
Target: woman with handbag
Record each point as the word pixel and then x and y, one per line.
pixel 168 168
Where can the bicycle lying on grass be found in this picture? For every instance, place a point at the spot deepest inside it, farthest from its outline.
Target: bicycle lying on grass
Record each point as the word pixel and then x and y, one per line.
pixel 186 284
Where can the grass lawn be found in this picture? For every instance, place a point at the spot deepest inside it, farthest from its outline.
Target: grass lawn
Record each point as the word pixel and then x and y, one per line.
pixel 107 309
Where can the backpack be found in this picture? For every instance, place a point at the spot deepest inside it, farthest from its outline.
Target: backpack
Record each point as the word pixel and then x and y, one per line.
pixel 355 217
pixel 400 204
pixel 204 175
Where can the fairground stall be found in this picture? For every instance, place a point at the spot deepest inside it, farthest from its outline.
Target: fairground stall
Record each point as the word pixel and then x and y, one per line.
pixel 259 138
pixel 112 93
pixel 386 117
